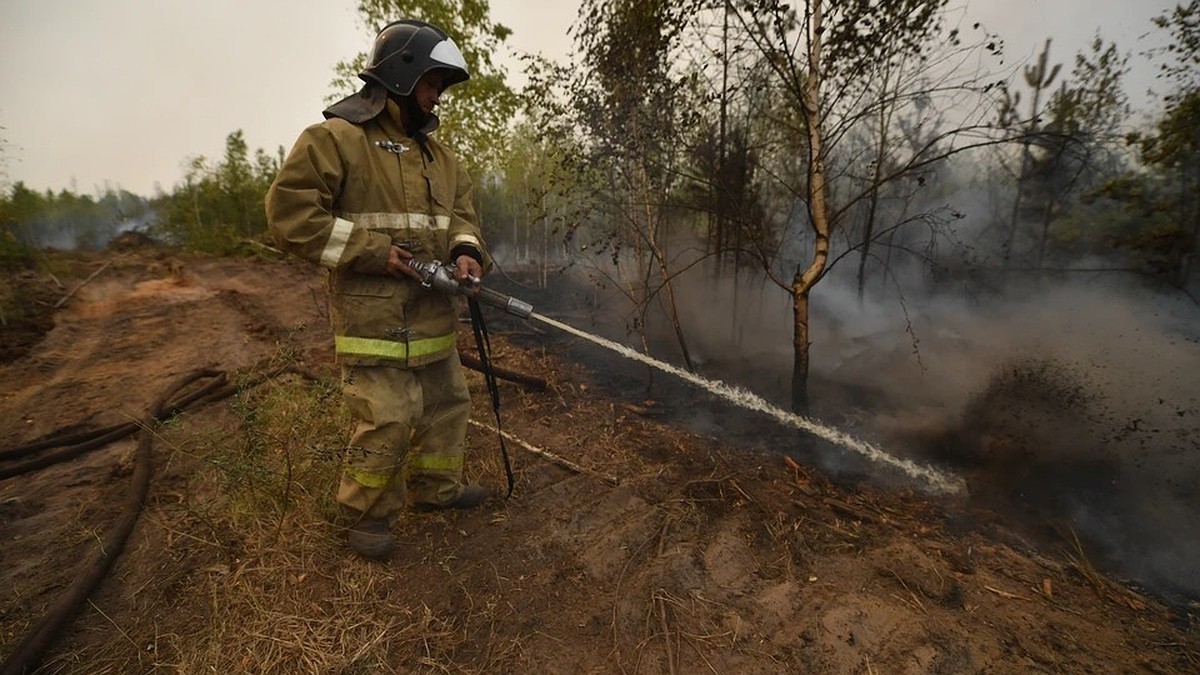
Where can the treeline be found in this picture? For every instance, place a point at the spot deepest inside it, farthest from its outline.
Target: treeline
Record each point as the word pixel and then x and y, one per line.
pixel 31 220
pixel 699 124
pixel 215 209
pixel 688 130
pixel 886 143
pixel 219 206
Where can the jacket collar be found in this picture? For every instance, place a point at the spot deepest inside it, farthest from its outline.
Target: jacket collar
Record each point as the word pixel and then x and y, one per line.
pixel 392 109
pixel 368 103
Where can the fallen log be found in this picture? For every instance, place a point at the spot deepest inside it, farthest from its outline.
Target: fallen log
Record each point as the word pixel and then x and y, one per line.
pixel 85 282
pixel 528 381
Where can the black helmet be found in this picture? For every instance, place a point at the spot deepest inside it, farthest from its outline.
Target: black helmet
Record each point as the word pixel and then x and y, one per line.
pixel 407 49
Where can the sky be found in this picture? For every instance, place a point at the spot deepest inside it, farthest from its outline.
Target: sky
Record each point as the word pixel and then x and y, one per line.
pixel 98 94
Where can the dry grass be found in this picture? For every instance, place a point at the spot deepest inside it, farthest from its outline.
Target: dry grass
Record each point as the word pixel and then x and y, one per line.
pixel 1105 587
pixel 701 563
pixel 244 569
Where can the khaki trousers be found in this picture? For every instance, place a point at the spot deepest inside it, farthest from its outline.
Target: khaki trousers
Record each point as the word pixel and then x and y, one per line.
pixel 410 429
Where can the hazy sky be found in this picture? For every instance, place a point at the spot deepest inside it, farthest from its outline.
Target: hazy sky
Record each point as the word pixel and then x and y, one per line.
pixel 124 92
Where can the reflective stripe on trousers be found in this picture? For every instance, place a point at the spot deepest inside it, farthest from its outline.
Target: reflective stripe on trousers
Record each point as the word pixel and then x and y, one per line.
pixel 397 409
pixel 421 462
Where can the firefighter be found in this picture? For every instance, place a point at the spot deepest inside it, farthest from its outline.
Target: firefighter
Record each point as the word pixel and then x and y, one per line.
pixel 360 194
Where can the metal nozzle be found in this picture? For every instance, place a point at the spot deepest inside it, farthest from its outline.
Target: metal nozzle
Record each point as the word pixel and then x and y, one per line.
pixel 505 302
pixel 440 277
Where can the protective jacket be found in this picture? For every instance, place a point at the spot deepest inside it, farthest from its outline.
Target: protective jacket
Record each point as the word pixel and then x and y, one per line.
pixel 351 187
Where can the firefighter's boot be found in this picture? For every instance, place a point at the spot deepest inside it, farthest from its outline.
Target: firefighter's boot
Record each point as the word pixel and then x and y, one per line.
pixel 371 538
pixel 471 497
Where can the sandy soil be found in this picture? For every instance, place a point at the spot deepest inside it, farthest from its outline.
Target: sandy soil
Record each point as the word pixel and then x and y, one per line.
pixel 705 556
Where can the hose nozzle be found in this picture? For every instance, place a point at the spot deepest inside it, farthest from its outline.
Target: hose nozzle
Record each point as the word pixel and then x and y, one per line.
pixel 439 277
pixel 505 302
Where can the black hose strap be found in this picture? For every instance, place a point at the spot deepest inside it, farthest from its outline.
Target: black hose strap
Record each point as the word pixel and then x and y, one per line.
pixel 484 345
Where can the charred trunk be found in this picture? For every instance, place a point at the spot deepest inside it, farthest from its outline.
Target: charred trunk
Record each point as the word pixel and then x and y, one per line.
pixel 800 345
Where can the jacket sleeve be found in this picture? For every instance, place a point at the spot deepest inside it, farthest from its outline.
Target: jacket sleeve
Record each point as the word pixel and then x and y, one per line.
pixel 300 209
pixel 465 236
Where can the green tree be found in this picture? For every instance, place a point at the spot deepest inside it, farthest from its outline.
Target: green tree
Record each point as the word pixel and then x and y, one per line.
pixel 1160 227
pixel 240 200
pixel 1038 77
pixel 1176 148
pixel 475 114
pixel 553 181
pixel 1181 67
pixel 18 208
pixel 633 109
pixel 837 70
pixel 782 123
pixel 527 196
pixel 218 206
pixel 1077 147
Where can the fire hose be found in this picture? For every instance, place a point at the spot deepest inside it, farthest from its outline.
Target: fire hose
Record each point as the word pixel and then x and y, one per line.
pixel 28 654
pixel 439 277
pixel 26 657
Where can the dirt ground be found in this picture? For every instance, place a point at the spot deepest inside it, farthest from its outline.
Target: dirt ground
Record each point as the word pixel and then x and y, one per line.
pixel 662 551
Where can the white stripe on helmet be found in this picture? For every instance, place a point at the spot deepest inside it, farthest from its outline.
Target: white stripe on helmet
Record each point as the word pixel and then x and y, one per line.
pixel 446 52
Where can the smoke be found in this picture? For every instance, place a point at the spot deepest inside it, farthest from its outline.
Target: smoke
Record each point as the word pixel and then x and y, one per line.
pixel 1068 404
pixel 66 233
pixel 67 221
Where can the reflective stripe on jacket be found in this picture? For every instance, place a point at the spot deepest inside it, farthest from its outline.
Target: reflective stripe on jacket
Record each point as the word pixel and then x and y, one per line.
pixel 343 195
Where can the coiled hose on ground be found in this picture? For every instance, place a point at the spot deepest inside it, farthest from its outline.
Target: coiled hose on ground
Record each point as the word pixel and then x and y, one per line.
pixel 29 653
pixel 13 462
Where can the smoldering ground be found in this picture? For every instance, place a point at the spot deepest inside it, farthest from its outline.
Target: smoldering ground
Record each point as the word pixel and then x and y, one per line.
pixel 1073 407
pixel 1069 406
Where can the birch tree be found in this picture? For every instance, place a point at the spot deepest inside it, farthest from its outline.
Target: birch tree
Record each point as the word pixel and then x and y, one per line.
pixel 633 108
pixel 836 68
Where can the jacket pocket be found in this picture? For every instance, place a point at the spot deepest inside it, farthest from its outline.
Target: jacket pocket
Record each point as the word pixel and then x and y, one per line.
pixel 369 307
pixel 373 286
